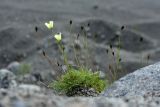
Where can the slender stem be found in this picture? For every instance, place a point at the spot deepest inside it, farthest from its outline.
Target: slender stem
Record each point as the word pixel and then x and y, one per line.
pixel 86 47
pixel 141 59
pixel 75 53
pixel 118 52
pixel 63 53
pixel 112 74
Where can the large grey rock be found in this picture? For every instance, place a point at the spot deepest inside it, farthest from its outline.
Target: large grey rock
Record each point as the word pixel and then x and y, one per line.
pixel 29 88
pixel 143 82
pixel 14 67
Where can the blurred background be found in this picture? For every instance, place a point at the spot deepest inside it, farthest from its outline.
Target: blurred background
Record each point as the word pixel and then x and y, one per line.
pixel 23 35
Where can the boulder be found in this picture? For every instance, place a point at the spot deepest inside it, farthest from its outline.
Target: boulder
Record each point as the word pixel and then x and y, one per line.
pixel 143 82
pixel 29 88
pixel 14 67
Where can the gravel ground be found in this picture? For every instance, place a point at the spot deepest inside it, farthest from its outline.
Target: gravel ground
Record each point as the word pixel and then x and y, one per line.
pixel 19 98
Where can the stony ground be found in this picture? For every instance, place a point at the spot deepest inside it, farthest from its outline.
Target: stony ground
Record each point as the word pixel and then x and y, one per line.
pixel 12 98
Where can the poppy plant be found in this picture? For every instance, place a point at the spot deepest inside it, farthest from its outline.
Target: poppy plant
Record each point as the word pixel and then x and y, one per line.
pixel 49 25
pixel 58 37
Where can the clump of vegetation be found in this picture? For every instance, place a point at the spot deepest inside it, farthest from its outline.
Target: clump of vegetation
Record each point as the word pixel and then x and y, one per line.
pixel 24 68
pixel 81 79
pixel 75 82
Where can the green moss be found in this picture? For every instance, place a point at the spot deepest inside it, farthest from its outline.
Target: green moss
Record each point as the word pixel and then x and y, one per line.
pixel 81 78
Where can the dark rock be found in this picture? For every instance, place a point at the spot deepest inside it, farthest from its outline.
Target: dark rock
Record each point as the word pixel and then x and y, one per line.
pixel 103 32
pixel 8 36
pixel 7 56
pixel 151 29
pixel 132 41
pixel 99 30
pixel 15 45
pixel 38 76
pixel 7 79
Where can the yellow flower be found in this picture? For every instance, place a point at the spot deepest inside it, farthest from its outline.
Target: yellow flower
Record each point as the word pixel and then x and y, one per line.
pixel 58 36
pixel 49 25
